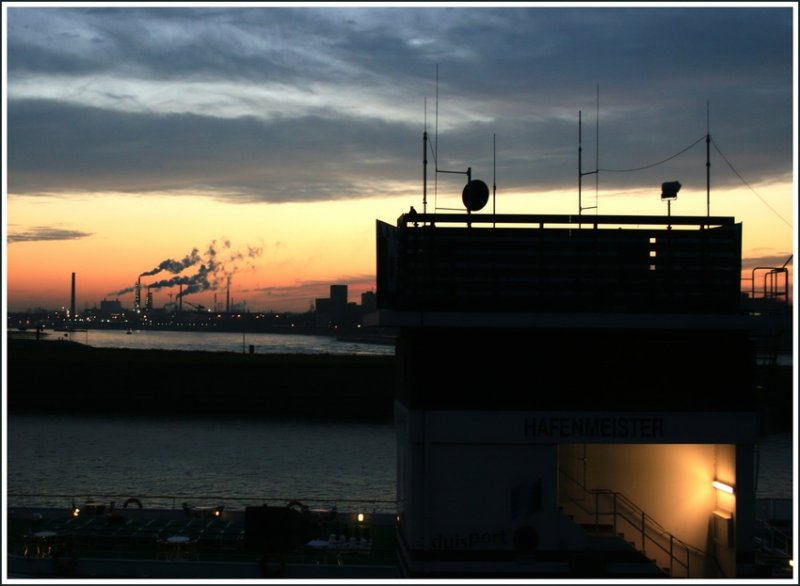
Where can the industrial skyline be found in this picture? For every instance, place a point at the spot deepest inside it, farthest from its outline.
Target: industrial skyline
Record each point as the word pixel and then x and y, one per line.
pixel 137 134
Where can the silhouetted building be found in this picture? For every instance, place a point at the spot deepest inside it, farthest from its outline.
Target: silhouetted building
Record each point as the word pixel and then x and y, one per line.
pixel 574 398
pixel 334 311
pixel 338 298
pixel 322 305
pixel 368 302
pixel 110 306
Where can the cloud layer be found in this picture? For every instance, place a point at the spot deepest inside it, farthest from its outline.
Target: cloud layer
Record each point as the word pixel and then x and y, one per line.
pixel 45 233
pixel 306 104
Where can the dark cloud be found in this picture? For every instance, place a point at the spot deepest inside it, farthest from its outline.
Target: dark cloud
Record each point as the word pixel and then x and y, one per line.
pixel 48 233
pixel 65 147
pixel 309 104
pixel 774 260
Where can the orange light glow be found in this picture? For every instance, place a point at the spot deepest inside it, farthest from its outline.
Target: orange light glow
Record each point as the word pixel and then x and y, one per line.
pixel 305 246
pixel 723 487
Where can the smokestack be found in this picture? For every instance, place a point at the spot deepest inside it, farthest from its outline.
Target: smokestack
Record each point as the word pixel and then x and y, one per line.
pixel 137 297
pixel 228 301
pixel 72 299
pixel 180 298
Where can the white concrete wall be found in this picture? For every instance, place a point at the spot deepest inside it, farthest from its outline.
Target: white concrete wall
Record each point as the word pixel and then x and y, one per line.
pixel 670 482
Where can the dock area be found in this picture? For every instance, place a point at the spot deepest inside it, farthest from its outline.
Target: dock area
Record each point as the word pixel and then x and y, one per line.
pixel 199 542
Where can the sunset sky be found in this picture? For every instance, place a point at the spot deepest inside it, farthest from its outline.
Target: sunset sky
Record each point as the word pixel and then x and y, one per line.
pixel 269 139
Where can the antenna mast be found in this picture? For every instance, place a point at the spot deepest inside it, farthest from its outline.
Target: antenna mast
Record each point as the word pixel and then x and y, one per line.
pixel 494 174
pixel 436 146
pixel 708 158
pixel 580 169
pixel 597 151
pixel 468 172
pixel 425 162
pixel 580 159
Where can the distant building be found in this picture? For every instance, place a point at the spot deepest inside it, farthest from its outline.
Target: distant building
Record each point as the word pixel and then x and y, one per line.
pixel 107 306
pixel 337 313
pixel 322 306
pixel 368 302
pixel 339 297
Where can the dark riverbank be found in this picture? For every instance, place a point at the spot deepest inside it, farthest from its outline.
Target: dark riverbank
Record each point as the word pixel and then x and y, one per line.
pixel 64 377
pixel 53 376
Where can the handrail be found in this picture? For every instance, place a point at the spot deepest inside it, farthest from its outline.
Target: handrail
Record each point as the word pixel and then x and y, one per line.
pixel 773 539
pixel 642 523
pixel 701 222
pixel 772 292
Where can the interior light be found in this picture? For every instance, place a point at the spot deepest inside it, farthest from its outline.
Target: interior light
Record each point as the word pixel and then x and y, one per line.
pixel 722 486
pixel 76 511
pixel 361 517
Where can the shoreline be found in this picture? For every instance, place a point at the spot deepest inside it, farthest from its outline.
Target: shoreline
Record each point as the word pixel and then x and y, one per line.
pixel 53 376
pixel 56 376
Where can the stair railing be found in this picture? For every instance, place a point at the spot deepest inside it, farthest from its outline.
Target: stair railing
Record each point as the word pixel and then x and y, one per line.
pixel 626 518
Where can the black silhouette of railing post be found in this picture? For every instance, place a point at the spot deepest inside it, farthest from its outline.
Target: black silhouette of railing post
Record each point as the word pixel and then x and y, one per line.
pixel 644 530
pixel 671 554
pixel 596 512
pixel 615 513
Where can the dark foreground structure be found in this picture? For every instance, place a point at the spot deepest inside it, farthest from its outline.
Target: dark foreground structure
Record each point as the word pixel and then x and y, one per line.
pixel 47 376
pixel 575 396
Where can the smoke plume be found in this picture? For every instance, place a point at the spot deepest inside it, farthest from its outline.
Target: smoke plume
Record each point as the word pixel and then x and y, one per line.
pixel 175 266
pixel 214 267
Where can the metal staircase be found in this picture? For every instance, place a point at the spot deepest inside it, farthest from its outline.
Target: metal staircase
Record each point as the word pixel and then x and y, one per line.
pixel 610 513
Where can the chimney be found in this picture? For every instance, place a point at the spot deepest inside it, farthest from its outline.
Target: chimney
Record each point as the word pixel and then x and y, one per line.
pixel 228 301
pixel 180 298
pixel 137 297
pixel 72 299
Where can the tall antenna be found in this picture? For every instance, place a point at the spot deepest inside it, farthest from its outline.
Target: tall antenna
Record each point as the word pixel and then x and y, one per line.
pixel 581 173
pixel 580 158
pixel 708 158
pixel 436 145
pixel 425 162
pixel 468 172
pixel 494 174
pixel 597 151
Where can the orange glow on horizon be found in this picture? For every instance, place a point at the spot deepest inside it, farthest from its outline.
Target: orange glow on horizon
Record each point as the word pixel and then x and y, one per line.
pixel 304 247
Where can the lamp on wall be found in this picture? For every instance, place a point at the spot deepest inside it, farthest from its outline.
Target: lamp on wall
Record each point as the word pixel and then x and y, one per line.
pixel 723 487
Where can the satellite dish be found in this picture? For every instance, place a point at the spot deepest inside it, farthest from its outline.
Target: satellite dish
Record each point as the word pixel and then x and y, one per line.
pixel 475 195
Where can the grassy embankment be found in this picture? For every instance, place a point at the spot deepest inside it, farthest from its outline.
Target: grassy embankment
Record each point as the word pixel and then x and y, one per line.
pixel 64 377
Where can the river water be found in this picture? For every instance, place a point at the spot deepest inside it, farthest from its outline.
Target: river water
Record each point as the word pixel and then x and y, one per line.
pixel 221 342
pixel 164 461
